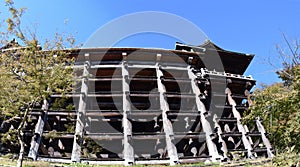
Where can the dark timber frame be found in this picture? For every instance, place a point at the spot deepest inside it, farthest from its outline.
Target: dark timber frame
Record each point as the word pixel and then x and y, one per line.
pixel 183 125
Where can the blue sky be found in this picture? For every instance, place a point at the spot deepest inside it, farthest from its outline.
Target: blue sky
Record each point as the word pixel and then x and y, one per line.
pixel 244 26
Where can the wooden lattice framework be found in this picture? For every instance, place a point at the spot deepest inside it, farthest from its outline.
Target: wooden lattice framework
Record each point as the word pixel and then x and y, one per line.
pixel 120 90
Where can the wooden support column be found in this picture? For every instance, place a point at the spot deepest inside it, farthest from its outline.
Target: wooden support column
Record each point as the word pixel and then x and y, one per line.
pixel 80 122
pixel 219 132
pixel 240 127
pixel 38 132
pixel 247 94
pixel 167 125
pixel 259 126
pixel 266 142
pixel 212 149
pixel 128 152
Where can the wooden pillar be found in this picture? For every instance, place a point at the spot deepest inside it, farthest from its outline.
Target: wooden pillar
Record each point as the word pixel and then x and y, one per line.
pixel 167 125
pixel 38 132
pixel 240 127
pixel 128 152
pixel 219 133
pixel 212 149
pixel 80 122
pixel 259 126
pixel 266 142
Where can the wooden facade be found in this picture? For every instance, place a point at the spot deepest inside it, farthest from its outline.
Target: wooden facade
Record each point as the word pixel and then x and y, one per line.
pixel 150 106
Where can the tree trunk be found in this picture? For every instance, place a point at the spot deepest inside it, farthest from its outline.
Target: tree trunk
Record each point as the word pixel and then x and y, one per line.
pixel 20 137
pixel 20 159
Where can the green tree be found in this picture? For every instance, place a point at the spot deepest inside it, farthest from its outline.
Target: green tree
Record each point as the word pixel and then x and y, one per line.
pixel 29 75
pixel 278 105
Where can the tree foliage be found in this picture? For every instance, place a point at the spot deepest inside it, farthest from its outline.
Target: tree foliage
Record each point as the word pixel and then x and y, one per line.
pixel 29 75
pixel 278 105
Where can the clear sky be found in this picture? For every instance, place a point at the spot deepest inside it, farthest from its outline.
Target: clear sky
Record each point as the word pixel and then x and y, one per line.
pixel 254 26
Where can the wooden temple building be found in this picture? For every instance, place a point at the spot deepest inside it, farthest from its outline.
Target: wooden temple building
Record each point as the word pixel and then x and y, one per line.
pixel 151 106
